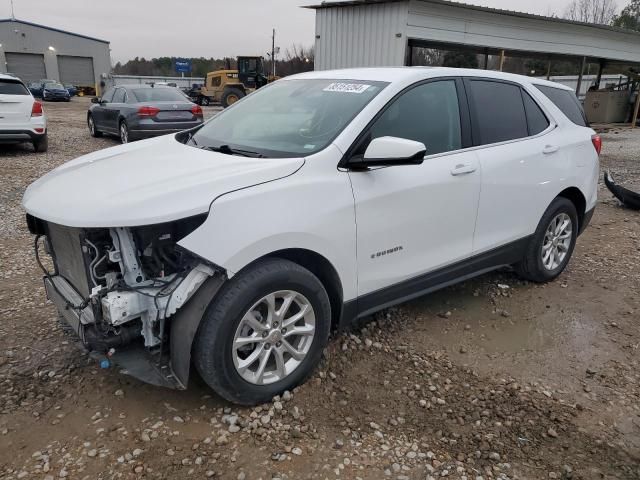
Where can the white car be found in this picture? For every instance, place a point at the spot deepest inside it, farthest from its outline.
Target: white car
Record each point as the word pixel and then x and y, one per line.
pixel 22 117
pixel 321 198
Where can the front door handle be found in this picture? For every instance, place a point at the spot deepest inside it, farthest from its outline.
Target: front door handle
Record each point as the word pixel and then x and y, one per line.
pixel 462 169
pixel 549 149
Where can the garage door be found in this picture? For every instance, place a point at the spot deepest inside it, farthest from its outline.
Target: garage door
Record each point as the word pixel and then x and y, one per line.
pixel 76 70
pixel 28 66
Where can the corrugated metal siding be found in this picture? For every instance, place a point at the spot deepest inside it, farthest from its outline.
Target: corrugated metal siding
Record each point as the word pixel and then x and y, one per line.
pixel 456 24
pixel 361 36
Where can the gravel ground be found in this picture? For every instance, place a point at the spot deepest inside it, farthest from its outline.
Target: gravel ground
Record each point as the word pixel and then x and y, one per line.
pixel 491 379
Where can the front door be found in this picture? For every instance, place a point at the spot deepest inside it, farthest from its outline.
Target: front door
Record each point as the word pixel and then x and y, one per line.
pixel 412 220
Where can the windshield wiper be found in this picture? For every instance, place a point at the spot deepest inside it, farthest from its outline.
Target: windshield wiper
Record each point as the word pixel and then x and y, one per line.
pixel 227 150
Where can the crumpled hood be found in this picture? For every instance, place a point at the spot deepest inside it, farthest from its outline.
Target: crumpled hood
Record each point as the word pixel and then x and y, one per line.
pixel 143 183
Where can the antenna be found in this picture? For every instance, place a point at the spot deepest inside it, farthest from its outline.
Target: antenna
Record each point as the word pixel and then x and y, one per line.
pixel 13 15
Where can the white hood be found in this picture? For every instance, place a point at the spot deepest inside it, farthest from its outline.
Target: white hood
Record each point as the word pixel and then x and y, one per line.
pixel 143 183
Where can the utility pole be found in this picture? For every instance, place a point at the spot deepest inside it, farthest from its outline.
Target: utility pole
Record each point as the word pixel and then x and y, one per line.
pixel 273 52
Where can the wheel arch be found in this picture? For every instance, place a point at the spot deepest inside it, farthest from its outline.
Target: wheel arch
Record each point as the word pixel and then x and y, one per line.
pixel 579 201
pixel 322 268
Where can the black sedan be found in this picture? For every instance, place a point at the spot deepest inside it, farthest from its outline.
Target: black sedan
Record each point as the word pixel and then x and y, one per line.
pixel 55 92
pixel 142 111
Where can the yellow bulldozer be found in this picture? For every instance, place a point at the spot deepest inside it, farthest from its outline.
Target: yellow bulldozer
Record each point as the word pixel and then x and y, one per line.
pixel 227 86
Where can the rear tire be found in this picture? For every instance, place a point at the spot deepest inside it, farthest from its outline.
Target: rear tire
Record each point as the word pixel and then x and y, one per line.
pixel 41 145
pixel 92 127
pixel 124 132
pixel 231 96
pixel 552 244
pixel 242 310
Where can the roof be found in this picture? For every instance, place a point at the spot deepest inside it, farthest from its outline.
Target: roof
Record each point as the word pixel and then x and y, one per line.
pixel 415 74
pixel 8 76
pixel 7 20
pixel 512 13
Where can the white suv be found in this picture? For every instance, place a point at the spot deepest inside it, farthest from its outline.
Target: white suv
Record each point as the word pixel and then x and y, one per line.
pixel 22 117
pixel 316 200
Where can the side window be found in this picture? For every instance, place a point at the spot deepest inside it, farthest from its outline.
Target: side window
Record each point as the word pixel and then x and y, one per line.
pixel 499 112
pixel 118 97
pixel 567 102
pixel 428 113
pixel 536 119
pixel 108 95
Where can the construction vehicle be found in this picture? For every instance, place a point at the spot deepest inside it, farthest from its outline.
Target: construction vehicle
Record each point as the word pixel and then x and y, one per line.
pixel 227 86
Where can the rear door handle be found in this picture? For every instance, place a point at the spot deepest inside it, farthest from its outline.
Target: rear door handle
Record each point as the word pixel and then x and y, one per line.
pixel 549 149
pixel 462 169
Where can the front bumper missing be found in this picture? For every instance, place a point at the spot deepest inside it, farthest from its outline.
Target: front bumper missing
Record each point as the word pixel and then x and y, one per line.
pixel 134 359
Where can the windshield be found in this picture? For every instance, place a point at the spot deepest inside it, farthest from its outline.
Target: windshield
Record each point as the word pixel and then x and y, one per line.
pixel 152 94
pixel 53 86
pixel 288 118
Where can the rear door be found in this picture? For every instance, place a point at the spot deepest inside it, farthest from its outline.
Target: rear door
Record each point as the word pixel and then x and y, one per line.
pixel 15 104
pixel 113 108
pixel 522 161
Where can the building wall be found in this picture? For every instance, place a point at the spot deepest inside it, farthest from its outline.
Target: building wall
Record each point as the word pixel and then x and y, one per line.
pixel 24 38
pixel 457 24
pixel 367 34
pixel 361 36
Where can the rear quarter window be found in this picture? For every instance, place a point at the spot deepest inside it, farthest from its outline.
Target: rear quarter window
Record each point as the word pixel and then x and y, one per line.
pixel 12 87
pixel 567 102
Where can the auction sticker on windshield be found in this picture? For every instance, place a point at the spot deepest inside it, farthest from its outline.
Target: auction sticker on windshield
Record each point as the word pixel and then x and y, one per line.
pixel 347 87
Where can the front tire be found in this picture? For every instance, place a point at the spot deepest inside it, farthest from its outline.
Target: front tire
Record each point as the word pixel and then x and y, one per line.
pixel 264 333
pixel 92 127
pixel 231 96
pixel 552 244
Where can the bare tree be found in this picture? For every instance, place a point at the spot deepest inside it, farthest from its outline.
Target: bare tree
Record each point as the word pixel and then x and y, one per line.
pixel 601 12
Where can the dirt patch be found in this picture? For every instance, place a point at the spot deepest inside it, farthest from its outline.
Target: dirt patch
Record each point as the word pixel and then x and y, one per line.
pixel 493 378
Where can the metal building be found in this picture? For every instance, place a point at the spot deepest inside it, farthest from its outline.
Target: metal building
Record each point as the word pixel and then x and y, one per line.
pixel 361 33
pixel 34 52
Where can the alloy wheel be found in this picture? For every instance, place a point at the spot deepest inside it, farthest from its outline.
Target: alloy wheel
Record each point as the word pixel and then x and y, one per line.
pixel 273 337
pixel 92 127
pixel 557 241
pixel 124 133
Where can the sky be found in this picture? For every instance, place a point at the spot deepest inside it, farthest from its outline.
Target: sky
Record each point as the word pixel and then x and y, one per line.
pixel 200 28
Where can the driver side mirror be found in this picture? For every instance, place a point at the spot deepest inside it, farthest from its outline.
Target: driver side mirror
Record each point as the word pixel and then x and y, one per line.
pixel 95 100
pixel 390 151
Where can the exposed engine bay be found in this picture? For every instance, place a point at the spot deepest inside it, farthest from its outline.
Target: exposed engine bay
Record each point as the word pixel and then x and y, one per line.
pixel 125 282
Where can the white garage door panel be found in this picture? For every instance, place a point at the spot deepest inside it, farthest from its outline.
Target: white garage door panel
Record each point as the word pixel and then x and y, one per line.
pixel 28 66
pixel 76 70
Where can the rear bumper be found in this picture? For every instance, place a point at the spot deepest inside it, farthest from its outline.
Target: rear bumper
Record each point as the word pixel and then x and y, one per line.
pixel 16 136
pixel 586 220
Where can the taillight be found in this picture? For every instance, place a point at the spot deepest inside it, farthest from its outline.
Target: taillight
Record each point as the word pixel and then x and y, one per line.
pixel 36 109
pixel 196 110
pixel 597 143
pixel 148 111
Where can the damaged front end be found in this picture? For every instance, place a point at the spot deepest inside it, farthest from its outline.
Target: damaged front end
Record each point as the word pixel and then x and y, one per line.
pixel 133 295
